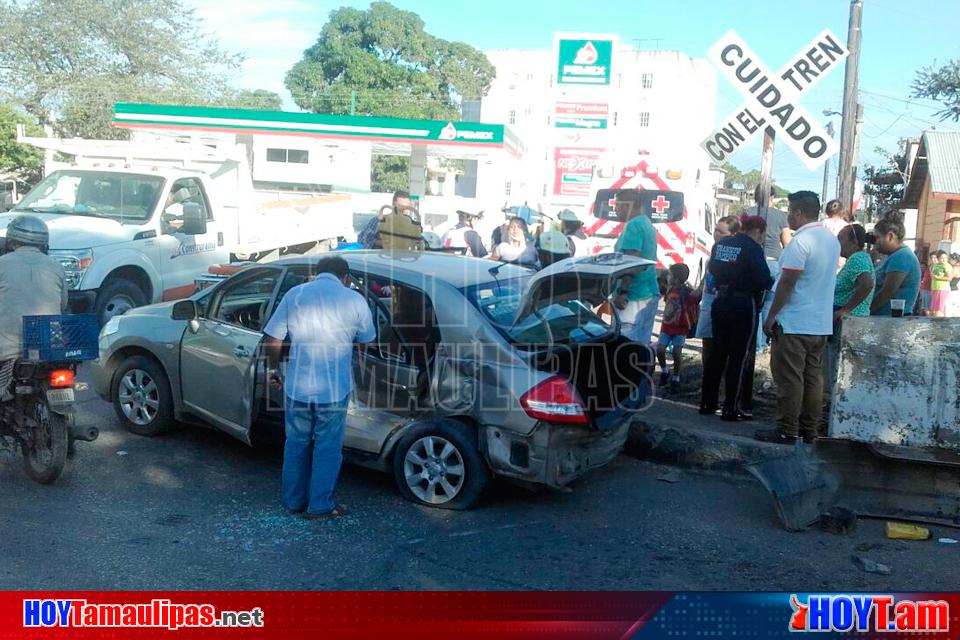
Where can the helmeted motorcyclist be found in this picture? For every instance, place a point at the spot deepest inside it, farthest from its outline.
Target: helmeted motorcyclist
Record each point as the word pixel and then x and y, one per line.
pixel 31 284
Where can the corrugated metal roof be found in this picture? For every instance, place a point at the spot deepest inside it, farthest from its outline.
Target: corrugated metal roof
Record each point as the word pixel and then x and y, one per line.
pixel 943 157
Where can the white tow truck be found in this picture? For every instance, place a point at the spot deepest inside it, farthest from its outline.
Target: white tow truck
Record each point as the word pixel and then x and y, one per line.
pixel 134 223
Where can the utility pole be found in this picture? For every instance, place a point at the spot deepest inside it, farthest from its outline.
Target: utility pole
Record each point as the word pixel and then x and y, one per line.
pixel 766 171
pixel 850 90
pixel 826 172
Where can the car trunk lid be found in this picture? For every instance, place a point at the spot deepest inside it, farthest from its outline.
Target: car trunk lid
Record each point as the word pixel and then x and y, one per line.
pixel 587 278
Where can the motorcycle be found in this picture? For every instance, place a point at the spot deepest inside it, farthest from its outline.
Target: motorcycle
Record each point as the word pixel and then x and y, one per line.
pixel 40 417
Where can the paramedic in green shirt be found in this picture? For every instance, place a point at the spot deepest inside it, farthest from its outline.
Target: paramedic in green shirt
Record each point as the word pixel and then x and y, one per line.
pixel 638 296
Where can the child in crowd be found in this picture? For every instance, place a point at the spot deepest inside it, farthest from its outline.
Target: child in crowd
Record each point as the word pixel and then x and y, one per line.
pixel 923 302
pixel 680 307
pixel 939 284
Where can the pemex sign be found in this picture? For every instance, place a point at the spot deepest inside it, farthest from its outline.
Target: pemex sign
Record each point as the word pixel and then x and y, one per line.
pixel 584 61
pixel 773 100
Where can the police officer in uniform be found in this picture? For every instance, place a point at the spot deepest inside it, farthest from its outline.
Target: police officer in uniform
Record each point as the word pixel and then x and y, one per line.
pixel 400 229
pixel 742 277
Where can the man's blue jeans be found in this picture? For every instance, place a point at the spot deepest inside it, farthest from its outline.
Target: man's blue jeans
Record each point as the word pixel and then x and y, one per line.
pixel 312 454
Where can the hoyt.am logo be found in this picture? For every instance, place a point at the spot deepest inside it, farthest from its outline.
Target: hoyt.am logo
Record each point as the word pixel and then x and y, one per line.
pixel 868 613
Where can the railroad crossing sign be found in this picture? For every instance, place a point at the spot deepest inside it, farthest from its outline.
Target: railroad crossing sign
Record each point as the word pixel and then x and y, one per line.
pixel 772 99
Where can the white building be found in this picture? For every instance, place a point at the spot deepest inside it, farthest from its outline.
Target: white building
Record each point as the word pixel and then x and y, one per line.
pixel 659 101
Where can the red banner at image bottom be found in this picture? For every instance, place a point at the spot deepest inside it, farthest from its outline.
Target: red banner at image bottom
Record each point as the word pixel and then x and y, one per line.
pixel 466 615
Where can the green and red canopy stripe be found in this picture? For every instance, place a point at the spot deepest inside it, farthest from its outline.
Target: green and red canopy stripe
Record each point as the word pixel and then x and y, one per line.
pixel 361 128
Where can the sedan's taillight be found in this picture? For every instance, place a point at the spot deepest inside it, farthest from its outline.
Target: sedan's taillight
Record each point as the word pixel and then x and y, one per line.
pixel 554 400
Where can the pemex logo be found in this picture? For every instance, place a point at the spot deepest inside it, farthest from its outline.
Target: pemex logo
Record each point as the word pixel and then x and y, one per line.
pixel 449 132
pixel 587 54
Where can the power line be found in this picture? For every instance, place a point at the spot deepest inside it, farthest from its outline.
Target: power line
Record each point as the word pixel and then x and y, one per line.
pixel 900 117
pixel 889 97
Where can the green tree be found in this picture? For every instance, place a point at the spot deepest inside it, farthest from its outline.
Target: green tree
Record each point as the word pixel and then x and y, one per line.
pixel 256 99
pixel 941 84
pixel 19 162
pixel 68 61
pixel 382 62
pixel 884 183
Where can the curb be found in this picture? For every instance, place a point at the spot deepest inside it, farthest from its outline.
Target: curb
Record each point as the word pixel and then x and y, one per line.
pixel 674 433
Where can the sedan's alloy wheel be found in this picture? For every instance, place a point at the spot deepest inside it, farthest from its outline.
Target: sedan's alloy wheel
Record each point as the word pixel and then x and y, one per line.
pixel 139 397
pixel 434 470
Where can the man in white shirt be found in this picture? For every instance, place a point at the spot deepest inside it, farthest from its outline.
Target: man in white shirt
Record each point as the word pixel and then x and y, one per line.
pixel 800 320
pixel 322 319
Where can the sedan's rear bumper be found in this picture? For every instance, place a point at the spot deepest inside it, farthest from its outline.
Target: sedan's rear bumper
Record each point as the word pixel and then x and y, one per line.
pixel 553 455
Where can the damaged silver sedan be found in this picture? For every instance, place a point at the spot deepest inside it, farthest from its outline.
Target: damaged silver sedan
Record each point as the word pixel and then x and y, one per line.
pixel 479 369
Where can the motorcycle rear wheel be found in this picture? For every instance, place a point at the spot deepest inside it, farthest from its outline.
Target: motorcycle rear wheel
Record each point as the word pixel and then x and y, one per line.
pixel 45 457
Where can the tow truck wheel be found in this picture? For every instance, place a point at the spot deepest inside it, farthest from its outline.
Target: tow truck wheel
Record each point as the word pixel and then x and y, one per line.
pixel 437 464
pixel 117 297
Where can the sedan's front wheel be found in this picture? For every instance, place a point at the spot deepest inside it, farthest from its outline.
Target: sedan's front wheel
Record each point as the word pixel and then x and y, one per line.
pixel 141 396
pixel 438 464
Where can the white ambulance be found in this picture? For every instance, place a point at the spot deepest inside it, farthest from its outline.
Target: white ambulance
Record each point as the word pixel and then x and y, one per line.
pixel 677 196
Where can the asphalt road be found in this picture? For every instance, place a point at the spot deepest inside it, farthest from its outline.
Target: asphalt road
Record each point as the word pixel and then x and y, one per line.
pixel 195 509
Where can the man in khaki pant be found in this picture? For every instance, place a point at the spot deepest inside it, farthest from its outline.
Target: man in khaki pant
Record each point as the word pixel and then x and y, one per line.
pixel 800 320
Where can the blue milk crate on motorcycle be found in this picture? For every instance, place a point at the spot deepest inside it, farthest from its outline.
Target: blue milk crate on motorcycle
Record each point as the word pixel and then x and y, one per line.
pixel 61 338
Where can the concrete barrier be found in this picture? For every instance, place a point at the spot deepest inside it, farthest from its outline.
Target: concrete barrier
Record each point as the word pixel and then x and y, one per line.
pixel 898 382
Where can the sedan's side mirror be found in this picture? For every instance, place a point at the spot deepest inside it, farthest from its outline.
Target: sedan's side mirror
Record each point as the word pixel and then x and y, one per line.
pixel 185 310
pixel 194 219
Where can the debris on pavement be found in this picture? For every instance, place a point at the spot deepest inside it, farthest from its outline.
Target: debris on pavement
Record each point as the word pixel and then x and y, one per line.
pixel 838 520
pixel 904 531
pixel 947 541
pixel 121 453
pixel 871 566
pixel 801 488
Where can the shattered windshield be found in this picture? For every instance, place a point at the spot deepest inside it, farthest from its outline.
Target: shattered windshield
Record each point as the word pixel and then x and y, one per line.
pixel 122 196
pixel 552 321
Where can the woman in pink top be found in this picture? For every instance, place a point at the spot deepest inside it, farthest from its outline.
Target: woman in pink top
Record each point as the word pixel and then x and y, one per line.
pixel 836 217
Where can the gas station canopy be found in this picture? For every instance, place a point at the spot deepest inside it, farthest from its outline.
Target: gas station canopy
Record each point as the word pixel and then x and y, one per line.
pixel 387 136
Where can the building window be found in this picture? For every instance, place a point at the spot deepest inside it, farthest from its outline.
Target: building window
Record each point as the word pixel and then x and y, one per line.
pixel 298 156
pixel 507 188
pixel 528 111
pixel 615 118
pixel 512 117
pixel 644 118
pixel 646 81
pixel 529 76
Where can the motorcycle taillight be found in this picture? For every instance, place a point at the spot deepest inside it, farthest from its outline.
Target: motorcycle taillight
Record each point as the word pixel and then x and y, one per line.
pixel 60 378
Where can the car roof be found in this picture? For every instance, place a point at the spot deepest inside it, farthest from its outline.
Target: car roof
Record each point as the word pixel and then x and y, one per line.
pixel 456 270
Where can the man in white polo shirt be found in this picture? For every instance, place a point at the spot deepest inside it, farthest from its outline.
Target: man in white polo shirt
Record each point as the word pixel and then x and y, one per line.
pixel 800 319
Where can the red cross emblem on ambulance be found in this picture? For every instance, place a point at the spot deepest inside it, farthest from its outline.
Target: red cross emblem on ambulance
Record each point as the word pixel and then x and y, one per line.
pixel 661 204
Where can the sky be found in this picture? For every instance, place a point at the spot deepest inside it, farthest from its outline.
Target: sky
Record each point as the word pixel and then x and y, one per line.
pixel 898 39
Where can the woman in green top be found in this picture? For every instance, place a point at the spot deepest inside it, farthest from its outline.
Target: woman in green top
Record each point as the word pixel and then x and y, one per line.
pixel 854 291
pixel 852 297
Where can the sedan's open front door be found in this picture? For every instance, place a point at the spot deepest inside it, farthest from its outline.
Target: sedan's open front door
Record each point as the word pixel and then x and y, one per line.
pixel 220 362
